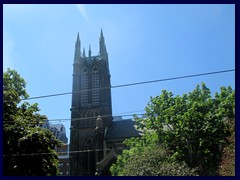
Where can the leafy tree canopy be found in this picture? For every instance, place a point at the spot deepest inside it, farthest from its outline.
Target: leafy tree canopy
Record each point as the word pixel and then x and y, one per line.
pixel 28 149
pixel 147 158
pixel 227 165
pixel 189 130
pixel 192 126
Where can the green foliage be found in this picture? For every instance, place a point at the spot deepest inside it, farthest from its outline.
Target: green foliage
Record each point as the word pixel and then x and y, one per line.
pixel 192 126
pixel 149 161
pixel 227 165
pixel 191 129
pixel 28 149
pixel 13 91
pixel 146 158
pixel 135 146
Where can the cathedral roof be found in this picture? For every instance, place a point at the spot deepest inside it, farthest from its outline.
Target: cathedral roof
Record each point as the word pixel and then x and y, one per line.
pixel 122 129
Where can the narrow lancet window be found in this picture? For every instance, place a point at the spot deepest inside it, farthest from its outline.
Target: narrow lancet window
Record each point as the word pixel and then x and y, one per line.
pixel 84 88
pixel 95 86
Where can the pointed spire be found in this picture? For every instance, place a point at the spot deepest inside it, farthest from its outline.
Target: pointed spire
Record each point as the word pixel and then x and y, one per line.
pixel 77 55
pixel 84 52
pixel 101 39
pixel 78 39
pixel 101 34
pixel 89 51
pixel 102 47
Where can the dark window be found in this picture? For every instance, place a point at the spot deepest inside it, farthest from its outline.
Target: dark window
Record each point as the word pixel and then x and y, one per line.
pixel 95 86
pixel 84 87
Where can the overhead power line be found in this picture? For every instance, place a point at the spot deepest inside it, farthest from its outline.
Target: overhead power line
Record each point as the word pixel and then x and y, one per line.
pixel 174 78
pixel 92 117
pixel 95 117
pixel 94 150
pixel 134 84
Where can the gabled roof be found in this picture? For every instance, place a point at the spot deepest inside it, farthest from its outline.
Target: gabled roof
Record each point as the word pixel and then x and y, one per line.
pixel 122 130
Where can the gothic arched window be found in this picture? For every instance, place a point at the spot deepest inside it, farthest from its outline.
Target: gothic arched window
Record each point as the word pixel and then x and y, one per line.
pixel 84 87
pixel 95 85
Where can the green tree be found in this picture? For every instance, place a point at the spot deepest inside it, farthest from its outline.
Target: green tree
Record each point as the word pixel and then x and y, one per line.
pixel 146 158
pixel 28 149
pixel 135 146
pixel 227 165
pixel 154 161
pixel 193 126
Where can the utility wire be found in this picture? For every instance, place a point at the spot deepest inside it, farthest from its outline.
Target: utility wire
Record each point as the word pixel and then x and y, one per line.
pixel 95 117
pixel 117 86
pixel 174 78
pixel 134 84
pixel 93 150
pixel 75 119
pixel 91 117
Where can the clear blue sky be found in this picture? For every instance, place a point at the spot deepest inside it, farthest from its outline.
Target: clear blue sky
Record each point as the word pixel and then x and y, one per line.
pixel 144 42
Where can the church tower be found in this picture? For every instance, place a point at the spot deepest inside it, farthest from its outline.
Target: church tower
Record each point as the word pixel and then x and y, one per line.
pixel 91 111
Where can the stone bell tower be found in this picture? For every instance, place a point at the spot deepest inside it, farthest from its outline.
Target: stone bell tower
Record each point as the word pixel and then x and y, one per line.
pixel 91 110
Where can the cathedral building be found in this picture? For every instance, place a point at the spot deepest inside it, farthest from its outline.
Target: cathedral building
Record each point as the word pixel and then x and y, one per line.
pixel 95 136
